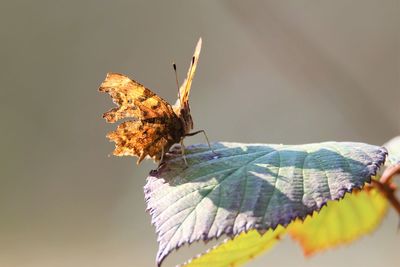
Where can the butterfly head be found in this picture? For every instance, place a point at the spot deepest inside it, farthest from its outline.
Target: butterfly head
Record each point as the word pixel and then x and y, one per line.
pixel 183 113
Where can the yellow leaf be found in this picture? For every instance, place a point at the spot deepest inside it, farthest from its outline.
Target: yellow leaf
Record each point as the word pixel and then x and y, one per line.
pixel 237 251
pixel 341 221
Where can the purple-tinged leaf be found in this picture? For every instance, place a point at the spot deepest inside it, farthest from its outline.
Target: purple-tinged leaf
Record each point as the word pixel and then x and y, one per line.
pixel 250 186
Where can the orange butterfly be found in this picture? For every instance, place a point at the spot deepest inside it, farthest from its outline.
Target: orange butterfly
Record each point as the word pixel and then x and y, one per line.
pixel 156 125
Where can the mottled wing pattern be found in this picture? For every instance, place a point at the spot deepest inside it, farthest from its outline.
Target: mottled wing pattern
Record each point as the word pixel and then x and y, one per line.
pixel 141 139
pixel 184 90
pixel 132 99
pixel 154 128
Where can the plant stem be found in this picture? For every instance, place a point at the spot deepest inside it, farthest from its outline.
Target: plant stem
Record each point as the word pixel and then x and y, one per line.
pixel 389 173
pixel 387 187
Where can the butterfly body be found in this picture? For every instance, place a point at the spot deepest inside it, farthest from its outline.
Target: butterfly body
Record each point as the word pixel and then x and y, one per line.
pixel 154 125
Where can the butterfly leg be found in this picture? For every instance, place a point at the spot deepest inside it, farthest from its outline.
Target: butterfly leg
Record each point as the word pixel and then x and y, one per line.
pixel 141 157
pixel 205 135
pixel 183 151
pixel 162 154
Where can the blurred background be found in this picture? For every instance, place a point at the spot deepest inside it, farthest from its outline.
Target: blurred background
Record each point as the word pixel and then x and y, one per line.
pixel 270 72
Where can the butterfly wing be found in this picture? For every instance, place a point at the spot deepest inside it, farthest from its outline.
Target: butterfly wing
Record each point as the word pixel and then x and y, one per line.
pixel 141 139
pixel 181 107
pixel 154 128
pixel 184 90
pixel 132 99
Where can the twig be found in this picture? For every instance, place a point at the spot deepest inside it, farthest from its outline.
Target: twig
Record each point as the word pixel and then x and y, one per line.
pixel 389 173
pixel 387 188
pixel 389 192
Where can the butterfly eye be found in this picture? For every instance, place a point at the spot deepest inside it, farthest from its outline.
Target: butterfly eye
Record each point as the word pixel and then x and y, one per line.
pixel 129 101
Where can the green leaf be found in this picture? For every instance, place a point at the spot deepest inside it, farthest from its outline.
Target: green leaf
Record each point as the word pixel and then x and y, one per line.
pixel 239 250
pixel 250 186
pixel 341 222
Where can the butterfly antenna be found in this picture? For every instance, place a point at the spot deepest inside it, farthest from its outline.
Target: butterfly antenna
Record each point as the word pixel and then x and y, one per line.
pixel 176 79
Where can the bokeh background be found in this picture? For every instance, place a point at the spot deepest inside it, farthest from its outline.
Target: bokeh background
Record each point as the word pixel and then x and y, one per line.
pixel 270 71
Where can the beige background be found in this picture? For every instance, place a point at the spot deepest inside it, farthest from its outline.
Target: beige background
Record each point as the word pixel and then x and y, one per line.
pixel 270 71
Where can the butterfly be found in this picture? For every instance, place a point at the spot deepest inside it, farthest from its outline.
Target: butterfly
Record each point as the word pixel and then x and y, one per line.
pixel 155 126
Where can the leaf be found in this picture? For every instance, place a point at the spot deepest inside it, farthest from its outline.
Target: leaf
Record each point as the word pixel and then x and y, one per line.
pixel 393 147
pixel 250 186
pixel 338 223
pixel 239 250
pixel 341 221
pixel 347 220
